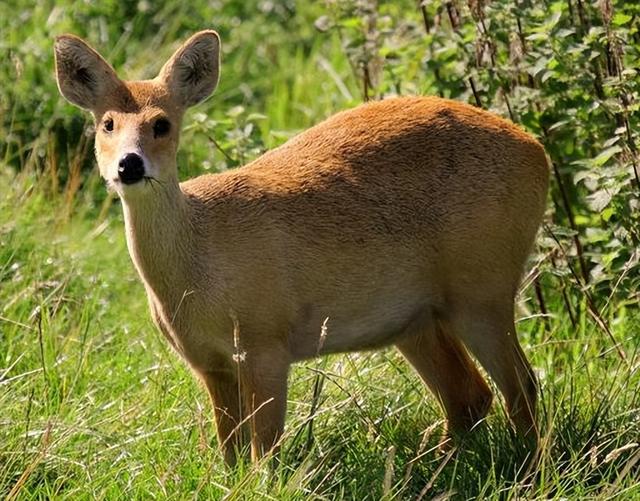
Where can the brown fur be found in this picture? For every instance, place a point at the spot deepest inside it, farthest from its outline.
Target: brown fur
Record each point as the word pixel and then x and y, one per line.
pixel 405 221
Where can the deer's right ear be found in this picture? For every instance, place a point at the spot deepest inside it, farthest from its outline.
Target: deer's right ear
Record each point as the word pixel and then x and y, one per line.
pixel 84 77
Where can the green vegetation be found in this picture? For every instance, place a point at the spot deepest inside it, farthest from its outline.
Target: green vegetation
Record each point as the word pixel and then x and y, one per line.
pixel 94 404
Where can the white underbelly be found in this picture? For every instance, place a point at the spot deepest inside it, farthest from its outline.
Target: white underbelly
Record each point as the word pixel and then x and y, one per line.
pixel 375 323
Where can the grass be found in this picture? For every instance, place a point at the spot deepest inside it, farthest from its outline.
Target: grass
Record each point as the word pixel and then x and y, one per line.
pixel 96 406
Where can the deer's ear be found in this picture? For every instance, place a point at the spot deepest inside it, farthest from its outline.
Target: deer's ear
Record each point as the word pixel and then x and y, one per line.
pixel 84 77
pixel 191 75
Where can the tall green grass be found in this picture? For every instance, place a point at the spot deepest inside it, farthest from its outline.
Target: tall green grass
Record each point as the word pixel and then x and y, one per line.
pixel 93 403
pixel 96 406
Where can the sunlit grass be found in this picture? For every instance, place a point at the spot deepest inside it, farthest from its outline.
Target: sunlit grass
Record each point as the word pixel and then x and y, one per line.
pixel 96 406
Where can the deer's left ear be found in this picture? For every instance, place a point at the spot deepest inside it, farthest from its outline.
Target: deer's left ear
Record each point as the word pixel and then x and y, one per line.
pixel 191 75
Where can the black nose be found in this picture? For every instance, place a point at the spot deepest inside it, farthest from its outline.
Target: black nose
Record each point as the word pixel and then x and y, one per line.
pixel 131 168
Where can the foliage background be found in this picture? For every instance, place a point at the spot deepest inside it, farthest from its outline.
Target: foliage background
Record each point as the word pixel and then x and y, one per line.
pixel 95 406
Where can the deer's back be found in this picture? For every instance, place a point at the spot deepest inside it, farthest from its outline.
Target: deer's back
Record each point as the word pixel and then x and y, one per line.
pixel 404 168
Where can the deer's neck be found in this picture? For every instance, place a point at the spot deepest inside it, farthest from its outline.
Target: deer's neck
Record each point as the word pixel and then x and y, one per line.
pixel 160 240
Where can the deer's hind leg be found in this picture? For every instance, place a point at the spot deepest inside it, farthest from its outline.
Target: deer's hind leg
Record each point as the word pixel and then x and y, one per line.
pixel 446 368
pixel 488 331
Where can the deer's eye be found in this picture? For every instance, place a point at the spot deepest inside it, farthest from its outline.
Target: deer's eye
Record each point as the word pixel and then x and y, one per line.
pixel 161 127
pixel 107 125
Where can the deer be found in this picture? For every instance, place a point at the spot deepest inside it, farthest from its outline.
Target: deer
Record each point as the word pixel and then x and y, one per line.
pixel 405 221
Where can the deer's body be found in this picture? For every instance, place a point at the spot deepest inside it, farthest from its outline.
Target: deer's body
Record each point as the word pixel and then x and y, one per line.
pixel 406 221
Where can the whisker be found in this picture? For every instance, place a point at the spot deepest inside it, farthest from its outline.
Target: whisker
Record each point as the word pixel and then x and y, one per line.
pixel 151 180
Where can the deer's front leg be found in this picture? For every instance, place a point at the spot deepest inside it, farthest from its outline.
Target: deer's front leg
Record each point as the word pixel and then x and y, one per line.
pixel 265 394
pixel 231 425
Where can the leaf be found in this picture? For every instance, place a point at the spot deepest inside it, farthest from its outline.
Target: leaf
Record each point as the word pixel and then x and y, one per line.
pixel 323 23
pixel 558 124
pixel 621 19
pixel 235 111
pixel 352 22
pixel 582 175
pixel 604 156
pixel 601 199
pixel 252 117
pixel 611 141
pixel 607 213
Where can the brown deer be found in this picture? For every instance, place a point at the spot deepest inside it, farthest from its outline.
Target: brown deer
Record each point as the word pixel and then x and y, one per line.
pixel 404 222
